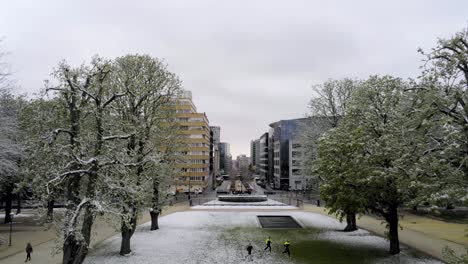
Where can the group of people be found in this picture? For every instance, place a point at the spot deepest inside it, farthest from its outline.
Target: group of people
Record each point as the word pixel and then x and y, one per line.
pixel 268 242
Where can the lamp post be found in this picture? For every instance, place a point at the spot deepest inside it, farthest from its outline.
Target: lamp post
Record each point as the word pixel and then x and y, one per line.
pixel 296 187
pixel 11 226
pixel 189 185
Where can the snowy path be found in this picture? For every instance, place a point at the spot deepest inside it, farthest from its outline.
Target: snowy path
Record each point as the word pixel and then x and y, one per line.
pixel 203 237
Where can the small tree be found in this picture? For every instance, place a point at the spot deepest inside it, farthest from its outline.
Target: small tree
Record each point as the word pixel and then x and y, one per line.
pixel 340 158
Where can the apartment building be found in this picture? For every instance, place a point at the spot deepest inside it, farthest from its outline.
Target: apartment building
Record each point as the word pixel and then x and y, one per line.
pixel 194 128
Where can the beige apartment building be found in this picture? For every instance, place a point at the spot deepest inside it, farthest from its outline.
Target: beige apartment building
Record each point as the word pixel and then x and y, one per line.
pixel 195 130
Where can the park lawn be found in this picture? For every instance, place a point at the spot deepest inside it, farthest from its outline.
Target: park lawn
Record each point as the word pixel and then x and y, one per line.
pixel 453 232
pixel 309 246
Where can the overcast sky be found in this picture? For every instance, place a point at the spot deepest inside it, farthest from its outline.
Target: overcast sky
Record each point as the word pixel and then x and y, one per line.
pixel 247 63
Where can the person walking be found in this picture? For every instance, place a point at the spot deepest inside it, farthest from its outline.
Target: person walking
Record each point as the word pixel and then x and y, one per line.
pixel 286 248
pixel 29 250
pixel 268 244
pixel 249 249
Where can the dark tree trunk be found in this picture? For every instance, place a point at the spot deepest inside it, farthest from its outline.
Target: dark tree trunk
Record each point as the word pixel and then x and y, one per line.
pixel 50 211
pixel 154 219
pixel 8 203
pixel 74 251
pixel 350 222
pixel 127 233
pixel 18 205
pixel 156 210
pixel 392 220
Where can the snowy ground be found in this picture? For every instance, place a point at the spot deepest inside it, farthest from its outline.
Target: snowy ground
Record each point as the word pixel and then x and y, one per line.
pixel 16 216
pixel 221 237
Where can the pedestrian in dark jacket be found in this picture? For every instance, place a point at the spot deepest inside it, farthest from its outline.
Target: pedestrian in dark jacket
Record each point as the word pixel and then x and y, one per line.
pixel 29 250
pixel 249 249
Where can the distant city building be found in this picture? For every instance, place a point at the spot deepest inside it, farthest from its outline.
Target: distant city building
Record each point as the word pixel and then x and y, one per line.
pixel 255 155
pixel 243 163
pixel 225 158
pixel 194 127
pixel 297 177
pixel 215 132
pixel 287 152
pixel 263 161
pixel 252 152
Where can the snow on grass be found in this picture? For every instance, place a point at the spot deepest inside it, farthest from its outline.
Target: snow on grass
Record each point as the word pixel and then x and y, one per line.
pixel 222 237
pixel 23 215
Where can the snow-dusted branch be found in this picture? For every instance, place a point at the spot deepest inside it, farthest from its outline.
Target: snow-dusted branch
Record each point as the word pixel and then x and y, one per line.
pixel 118 137
pixel 74 219
pixel 113 97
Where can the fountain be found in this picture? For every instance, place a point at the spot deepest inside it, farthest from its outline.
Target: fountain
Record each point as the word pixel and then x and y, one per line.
pixel 242 198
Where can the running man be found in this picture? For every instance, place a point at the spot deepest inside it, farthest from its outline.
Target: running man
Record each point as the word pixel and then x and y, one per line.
pixel 286 248
pixel 268 244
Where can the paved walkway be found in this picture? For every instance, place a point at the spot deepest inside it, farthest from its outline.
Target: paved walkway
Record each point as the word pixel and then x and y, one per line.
pixel 43 241
pixel 427 235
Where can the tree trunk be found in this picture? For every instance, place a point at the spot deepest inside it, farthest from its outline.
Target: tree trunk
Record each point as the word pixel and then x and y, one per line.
pixel 74 251
pixel 18 205
pixel 156 210
pixel 50 211
pixel 8 203
pixel 350 222
pixel 392 220
pixel 127 233
pixel 154 219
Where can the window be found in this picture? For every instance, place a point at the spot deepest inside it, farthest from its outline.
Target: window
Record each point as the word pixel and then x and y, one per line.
pixel 199 145
pixel 184 111
pixel 198 161
pixel 296 162
pixel 197 169
pixel 296 154
pixel 198 153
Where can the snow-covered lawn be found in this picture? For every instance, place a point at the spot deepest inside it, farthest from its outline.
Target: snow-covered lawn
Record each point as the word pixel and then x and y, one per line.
pixel 23 215
pixel 222 236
